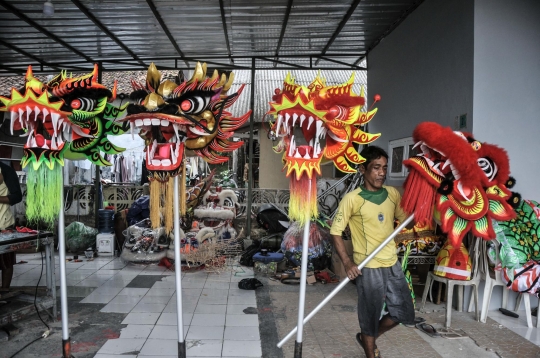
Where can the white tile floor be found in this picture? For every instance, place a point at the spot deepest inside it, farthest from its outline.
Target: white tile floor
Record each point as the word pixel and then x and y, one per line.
pixel 518 325
pixel 213 318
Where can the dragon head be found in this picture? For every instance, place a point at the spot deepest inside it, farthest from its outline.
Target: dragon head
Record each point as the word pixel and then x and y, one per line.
pixel 66 117
pixel 313 123
pixel 191 113
pixel 319 121
pixel 466 180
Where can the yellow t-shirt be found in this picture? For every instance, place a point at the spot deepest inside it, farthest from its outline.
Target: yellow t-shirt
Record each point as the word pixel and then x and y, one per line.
pixel 370 216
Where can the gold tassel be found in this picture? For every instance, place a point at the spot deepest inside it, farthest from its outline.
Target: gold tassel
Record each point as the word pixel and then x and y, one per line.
pixel 169 196
pixel 182 198
pixel 155 204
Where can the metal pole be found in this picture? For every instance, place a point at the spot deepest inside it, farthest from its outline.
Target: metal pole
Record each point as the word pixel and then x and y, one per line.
pixel 345 281
pixel 178 272
pixel 66 343
pixel 250 155
pixel 303 277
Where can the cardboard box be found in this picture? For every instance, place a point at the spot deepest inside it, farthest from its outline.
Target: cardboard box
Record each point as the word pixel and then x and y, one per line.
pixel 337 265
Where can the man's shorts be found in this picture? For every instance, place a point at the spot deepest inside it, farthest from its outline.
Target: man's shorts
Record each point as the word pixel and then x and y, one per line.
pixel 376 286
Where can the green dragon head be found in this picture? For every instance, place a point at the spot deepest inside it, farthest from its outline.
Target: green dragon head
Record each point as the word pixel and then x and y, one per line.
pixel 64 118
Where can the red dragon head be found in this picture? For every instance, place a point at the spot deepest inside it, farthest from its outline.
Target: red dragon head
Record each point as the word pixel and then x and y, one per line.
pixel 174 114
pixel 316 122
pixel 465 181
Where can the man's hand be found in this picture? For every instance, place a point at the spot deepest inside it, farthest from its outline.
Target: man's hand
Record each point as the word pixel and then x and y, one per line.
pixel 352 271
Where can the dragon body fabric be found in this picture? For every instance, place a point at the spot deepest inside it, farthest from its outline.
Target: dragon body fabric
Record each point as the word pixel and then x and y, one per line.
pixel 317 123
pixel 461 182
pixel 67 117
pixel 177 115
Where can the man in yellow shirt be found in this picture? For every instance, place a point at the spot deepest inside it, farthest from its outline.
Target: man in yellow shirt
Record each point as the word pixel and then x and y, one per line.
pixel 369 211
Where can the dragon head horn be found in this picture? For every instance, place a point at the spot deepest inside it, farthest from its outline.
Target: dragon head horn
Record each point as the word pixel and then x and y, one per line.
pixel 153 77
pixel 29 73
pixel 94 73
pixel 113 96
pixel 199 73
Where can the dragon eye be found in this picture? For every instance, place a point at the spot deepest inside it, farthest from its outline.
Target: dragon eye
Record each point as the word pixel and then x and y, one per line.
pixel 488 166
pixel 83 104
pixel 76 104
pixel 186 105
pixel 195 104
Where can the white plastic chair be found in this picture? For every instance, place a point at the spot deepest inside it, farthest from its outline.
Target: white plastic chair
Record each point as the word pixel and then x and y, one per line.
pixel 450 283
pixel 527 300
pixel 492 279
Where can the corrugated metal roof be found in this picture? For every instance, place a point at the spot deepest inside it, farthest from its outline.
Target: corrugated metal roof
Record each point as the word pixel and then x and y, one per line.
pixel 128 35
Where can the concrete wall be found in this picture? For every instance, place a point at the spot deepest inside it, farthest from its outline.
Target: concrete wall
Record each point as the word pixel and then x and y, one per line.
pixel 424 71
pixel 270 166
pixel 507 84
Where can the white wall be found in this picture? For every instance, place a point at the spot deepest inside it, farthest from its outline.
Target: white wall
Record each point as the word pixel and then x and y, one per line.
pixel 507 84
pixel 423 70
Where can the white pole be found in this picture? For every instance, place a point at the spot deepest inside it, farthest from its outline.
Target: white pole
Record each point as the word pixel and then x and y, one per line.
pixel 303 278
pixel 178 271
pixel 66 344
pixel 346 280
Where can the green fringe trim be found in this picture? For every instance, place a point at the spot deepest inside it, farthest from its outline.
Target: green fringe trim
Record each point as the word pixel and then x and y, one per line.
pixel 43 189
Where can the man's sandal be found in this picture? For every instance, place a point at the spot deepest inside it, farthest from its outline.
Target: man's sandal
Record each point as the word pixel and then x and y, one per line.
pixel 376 350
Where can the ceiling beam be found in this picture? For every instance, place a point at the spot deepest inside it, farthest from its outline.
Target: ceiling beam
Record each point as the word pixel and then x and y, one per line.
pixel 355 66
pixel 103 28
pixel 24 53
pixel 165 29
pixel 390 29
pixel 41 29
pixel 340 27
pixel 283 28
pixel 11 70
pixel 225 32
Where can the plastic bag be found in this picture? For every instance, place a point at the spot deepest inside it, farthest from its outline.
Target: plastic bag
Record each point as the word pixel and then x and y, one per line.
pixel 79 237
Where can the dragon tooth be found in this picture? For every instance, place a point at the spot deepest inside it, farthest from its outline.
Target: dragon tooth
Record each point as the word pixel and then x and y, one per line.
pixel 336 138
pixel 307 156
pixel 311 119
pixel 147 122
pixel 156 162
pixel 166 162
pixel 417 144
pixel 297 155
pixel 302 118
pixel 132 130
pixel 447 163
pixel 294 118
pixel 45 114
pixel 460 189
pixel 164 123
pixel 311 143
pixel 36 112
pixel 156 122
pixel 291 146
pixel 54 120
pixel 53 143
pixel 173 155
pixel 287 117
pixel 279 121
pixel 14 117
pixel 139 122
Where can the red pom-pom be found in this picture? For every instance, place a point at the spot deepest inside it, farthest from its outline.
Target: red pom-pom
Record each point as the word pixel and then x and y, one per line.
pixel 377 97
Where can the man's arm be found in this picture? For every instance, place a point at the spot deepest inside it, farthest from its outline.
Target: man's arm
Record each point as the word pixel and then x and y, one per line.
pixel 12 183
pixel 350 267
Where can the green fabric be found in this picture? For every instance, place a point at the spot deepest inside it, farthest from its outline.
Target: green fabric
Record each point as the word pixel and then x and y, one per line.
pixel 376 197
pixel 43 189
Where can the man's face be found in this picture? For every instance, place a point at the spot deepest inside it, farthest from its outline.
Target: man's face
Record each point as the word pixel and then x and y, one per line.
pixel 375 173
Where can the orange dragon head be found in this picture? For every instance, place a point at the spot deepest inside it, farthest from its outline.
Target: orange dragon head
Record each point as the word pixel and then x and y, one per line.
pixel 316 122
